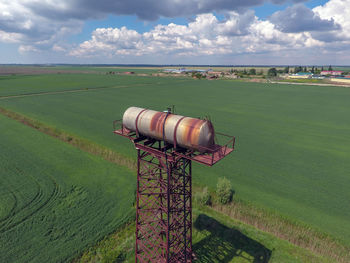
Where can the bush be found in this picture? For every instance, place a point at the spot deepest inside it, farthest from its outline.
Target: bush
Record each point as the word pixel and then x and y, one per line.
pixel 204 197
pixel 224 191
pixel 272 72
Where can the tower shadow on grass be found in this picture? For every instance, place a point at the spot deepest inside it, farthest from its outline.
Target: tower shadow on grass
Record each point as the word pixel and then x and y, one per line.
pixel 223 244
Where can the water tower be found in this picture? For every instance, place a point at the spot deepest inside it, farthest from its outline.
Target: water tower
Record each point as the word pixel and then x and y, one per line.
pixel 166 145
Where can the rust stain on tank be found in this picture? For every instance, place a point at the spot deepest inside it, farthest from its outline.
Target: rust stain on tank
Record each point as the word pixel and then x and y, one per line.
pixel 192 131
pixel 157 122
pixel 154 121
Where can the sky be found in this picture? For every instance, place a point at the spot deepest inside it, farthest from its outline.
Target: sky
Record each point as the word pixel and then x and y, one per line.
pixel 207 32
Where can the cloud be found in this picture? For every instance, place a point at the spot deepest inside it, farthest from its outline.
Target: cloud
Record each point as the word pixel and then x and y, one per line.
pixel 109 42
pixel 45 25
pixel 206 35
pixel 145 10
pixel 19 24
pixel 42 24
pixel 9 37
pixel 299 18
pixel 339 12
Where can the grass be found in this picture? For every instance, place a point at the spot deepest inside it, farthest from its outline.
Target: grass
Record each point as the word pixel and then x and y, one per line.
pixel 56 200
pixel 292 141
pixel 296 232
pixel 216 238
pixel 33 84
pixel 104 69
pixel 77 142
pixel 288 229
pixel 303 80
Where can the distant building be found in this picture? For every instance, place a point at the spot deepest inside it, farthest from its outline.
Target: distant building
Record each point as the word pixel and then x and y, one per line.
pixel 341 80
pixel 215 73
pixel 301 75
pixel 183 70
pixel 318 77
pixel 331 72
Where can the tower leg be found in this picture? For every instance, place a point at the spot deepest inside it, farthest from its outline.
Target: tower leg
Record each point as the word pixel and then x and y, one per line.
pixel 180 227
pixel 164 209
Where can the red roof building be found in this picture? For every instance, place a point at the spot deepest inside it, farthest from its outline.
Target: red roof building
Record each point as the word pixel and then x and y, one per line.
pixel 331 72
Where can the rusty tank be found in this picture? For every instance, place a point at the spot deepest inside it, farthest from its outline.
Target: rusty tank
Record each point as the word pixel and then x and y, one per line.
pixel 190 133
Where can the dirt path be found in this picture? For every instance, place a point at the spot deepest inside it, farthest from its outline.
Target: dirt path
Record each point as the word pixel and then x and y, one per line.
pixel 73 91
pixel 311 84
pixel 58 92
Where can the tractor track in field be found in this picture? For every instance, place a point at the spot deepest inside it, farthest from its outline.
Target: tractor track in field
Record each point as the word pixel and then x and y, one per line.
pixel 71 91
pixel 11 212
pixel 58 92
pixel 38 202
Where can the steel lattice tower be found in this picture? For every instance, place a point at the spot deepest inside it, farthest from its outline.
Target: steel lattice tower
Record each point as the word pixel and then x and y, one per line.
pixel 164 196
pixel 164 209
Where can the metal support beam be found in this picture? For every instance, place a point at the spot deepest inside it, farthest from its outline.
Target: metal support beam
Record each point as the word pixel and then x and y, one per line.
pixel 164 209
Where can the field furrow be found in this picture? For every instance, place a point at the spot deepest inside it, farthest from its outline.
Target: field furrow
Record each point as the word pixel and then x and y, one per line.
pixel 56 197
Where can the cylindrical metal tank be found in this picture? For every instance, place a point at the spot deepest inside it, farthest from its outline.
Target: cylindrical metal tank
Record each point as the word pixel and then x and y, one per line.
pixel 182 131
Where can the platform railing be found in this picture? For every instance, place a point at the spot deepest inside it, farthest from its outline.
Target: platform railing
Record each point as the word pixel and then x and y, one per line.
pixel 204 155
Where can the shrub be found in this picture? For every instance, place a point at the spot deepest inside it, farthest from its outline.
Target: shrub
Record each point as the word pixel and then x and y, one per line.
pixel 224 191
pixel 272 72
pixel 204 197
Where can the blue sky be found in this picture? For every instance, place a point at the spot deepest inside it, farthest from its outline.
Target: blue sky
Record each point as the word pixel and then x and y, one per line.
pixel 174 32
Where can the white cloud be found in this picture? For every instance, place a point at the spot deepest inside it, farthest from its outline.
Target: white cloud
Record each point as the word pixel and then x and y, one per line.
pixel 109 42
pixel 299 18
pixel 206 35
pixel 9 37
pixel 339 11
pixel 27 48
pixel 39 25
pixel 20 24
pixel 58 48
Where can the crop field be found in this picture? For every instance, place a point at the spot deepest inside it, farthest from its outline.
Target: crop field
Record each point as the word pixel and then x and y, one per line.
pixel 53 83
pixel 216 239
pixel 293 142
pixel 55 200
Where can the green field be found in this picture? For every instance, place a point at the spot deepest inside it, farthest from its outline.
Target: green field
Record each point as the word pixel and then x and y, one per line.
pixel 25 85
pixel 56 200
pixel 293 142
pixel 216 239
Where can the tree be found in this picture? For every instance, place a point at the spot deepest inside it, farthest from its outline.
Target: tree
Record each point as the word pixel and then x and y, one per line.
pixel 305 69
pixel 272 72
pixel 286 69
pixel 322 69
pixel 330 68
pixel 252 71
pixel 198 75
pixel 204 197
pixel 298 69
pixel 224 191
pixel 313 69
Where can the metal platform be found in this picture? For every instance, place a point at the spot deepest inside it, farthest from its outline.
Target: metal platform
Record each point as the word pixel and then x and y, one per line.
pixel 207 156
